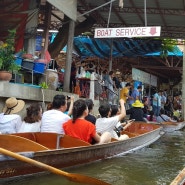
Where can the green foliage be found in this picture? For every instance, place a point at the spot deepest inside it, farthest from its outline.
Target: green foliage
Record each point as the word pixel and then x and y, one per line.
pixel 167 45
pixel 43 85
pixel 7 59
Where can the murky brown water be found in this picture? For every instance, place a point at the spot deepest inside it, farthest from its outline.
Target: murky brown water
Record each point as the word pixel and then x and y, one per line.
pixel 157 164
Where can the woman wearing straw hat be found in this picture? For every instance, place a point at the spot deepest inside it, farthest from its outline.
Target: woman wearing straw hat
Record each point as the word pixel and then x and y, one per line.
pixel 136 111
pixel 10 122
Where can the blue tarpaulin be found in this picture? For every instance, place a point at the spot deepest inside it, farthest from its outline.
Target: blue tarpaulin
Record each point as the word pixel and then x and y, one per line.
pixel 101 48
pixel 176 52
pixel 86 47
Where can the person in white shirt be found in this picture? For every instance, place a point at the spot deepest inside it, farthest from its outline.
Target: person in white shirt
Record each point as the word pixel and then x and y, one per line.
pixel 107 123
pixel 32 121
pixel 10 122
pixel 52 120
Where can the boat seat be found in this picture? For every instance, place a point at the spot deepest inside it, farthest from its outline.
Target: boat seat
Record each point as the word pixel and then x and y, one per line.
pixel 16 143
pixel 49 140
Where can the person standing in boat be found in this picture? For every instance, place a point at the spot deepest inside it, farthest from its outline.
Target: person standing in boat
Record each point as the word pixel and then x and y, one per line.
pixel 82 129
pixel 10 121
pixel 107 123
pixel 52 120
pixel 32 121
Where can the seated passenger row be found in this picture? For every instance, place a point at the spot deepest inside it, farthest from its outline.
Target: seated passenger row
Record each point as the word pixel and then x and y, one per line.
pixel 58 120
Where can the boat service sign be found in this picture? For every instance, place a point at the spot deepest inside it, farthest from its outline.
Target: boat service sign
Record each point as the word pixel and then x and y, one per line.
pixel 153 31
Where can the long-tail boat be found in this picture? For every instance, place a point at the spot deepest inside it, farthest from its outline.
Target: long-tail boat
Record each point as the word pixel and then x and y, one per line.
pixel 172 126
pixel 62 151
pixel 169 126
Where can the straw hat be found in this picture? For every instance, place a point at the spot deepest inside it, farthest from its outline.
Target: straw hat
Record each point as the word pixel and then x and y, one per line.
pixel 12 105
pixel 137 103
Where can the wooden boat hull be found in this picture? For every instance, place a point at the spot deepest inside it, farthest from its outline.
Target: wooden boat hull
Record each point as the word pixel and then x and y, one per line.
pixel 170 126
pixel 179 179
pixel 68 157
pixel 173 126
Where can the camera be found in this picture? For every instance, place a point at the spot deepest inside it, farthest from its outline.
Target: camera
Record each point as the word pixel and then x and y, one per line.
pixel 118 130
pixel 68 97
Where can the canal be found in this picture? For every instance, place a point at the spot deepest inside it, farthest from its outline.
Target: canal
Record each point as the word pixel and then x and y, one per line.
pixel 157 164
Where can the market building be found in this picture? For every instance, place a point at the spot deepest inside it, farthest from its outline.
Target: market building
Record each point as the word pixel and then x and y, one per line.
pixel 134 58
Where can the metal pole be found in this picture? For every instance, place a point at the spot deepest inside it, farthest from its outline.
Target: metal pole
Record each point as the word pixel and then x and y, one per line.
pixel 111 50
pixel 145 13
pixel 96 8
pixel 183 84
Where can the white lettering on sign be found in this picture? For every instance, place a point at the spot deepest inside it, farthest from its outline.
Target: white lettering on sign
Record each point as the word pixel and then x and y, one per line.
pixel 128 32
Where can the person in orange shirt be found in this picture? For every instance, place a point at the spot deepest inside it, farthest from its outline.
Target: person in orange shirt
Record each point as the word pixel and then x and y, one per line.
pixel 82 129
pixel 77 89
pixel 124 93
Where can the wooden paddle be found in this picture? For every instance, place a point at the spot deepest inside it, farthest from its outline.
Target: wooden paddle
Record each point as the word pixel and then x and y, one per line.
pixel 179 179
pixel 70 176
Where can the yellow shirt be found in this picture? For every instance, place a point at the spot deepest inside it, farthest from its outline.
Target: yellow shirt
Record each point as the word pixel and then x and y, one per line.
pixel 124 94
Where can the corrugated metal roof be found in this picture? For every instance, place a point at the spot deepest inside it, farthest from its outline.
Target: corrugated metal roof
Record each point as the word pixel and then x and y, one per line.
pixel 169 14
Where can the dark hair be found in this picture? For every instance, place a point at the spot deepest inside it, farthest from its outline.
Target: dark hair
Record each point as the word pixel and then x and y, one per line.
pixel 114 110
pixel 139 87
pixel 68 105
pixel 33 113
pixel 151 113
pixel 49 106
pixel 89 103
pixel 78 108
pixel 162 111
pixel 104 110
pixel 104 71
pixel 127 84
pixel 58 101
pixel 144 99
pixel 111 72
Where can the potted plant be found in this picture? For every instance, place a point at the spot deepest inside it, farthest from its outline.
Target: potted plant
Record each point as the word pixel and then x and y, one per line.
pixel 7 59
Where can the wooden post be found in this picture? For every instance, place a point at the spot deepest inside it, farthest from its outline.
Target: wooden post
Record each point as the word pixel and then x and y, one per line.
pixel 46 31
pixel 67 74
pixel 91 94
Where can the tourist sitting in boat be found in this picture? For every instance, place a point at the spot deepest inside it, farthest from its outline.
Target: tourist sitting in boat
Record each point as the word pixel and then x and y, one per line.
pixel 163 117
pixel 10 121
pixel 121 125
pixel 106 123
pixel 176 114
pixel 151 117
pixel 82 129
pixel 136 112
pixel 32 121
pixel 70 102
pixel 52 120
pixel 90 117
pixel 145 108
